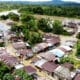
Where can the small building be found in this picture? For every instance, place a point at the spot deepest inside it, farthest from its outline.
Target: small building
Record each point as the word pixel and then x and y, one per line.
pixel 14 38
pixel 30 70
pixel 70 43
pixel 39 63
pixel 49 67
pixel 48 56
pixel 66 49
pixel 57 52
pixel 62 73
pixel 19 45
pixel 77 77
pixel 27 53
pixel 9 60
pixel 19 66
pixel 68 65
pixel 52 40
pixel 40 47
pixel 35 59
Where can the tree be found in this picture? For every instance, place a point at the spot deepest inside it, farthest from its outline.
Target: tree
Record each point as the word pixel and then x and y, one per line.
pixel 43 25
pixel 22 74
pixel 57 27
pixel 38 10
pixel 3 17
pixel 3 69
pixel 78 35
pixel 27 18
pixel 66 59
pixel 35 37
pixel 13 16
pixel 8 76
pixel 16 28
pixel 78 48
pixel 31 25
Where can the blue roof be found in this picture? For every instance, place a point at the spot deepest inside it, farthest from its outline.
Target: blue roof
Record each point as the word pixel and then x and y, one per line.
pixel 57 52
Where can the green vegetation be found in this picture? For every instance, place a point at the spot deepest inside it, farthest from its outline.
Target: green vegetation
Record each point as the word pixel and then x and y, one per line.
pixel 44 25
pixel 22 74
pixel 78 35
pixel 3 69
pixel 6 73
pixel 66 59
pixel 8 76
pixel 3 17
pixel 78 49
pixel 66 11
pixel 2 44
pixel 13 16
pixel 69 11
pixel 33 29
pixel 57 27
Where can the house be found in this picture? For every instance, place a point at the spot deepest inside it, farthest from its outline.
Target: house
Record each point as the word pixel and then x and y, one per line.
pixel 62 73
pixel 39 63
pixel 14 38
pixel 70 43
pixel 48 56
pixel 27 53
pixel 40 47
pixel 30 70
pixel 57 52
pixel 19 45
pixel 66 49
pixel 68 65
pixel 19 66
pixel 9 60
pixel 52 40
pixel 71 27
pixel 77 77
pixel 49 67
pixel 35 59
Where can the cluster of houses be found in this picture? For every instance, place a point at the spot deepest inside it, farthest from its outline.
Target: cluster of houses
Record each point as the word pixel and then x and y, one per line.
pixel 70 26
pixel 48 54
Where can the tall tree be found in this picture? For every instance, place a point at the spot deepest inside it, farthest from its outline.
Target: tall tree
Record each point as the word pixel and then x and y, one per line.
pixel 57 27
pixel 8 76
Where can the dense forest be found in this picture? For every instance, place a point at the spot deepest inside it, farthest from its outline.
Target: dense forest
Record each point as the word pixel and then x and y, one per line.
pixel 66 11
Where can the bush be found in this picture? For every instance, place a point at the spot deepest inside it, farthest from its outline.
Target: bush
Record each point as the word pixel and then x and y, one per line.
pixel 3 17
pixel 78 35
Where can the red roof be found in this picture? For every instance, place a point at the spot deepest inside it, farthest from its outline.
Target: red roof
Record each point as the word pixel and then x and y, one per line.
pixel 48 56
pixel 9 59
pixel 77 77
pixel 19 45
pixel 50 38
pixel 49 66
pixel 24 52
pixel 29 69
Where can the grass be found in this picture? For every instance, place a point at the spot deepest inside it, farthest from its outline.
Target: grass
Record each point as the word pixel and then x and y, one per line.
pixel 74 57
